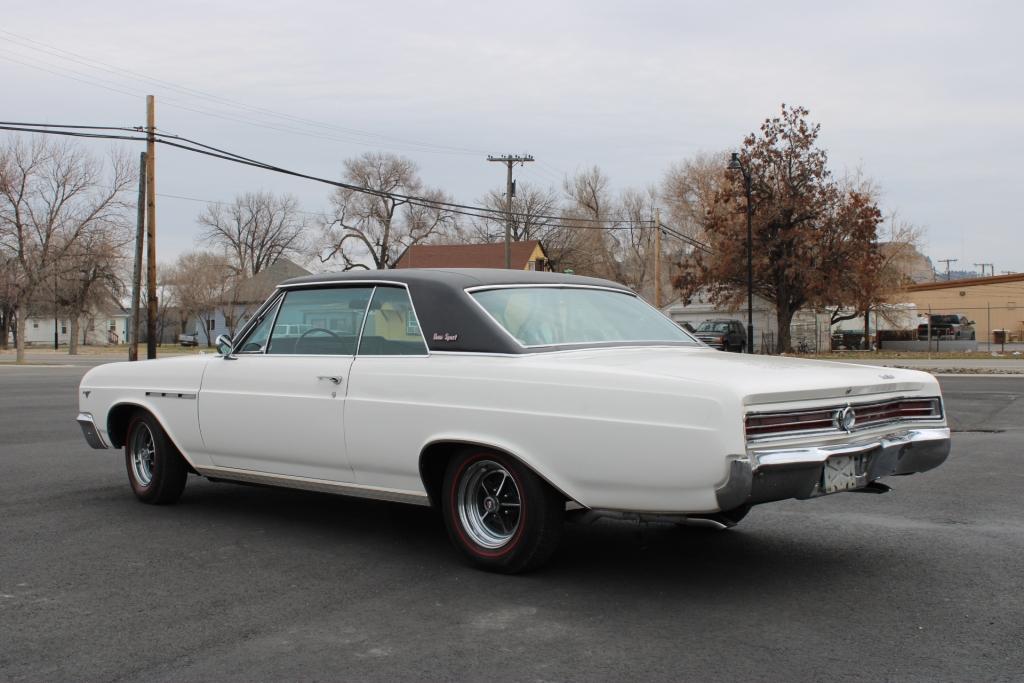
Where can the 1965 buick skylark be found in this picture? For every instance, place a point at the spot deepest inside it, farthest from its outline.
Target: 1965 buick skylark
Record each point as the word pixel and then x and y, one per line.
pixel 508 400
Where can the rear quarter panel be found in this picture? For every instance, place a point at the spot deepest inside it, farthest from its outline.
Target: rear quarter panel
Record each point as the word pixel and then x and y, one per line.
pixel 606 437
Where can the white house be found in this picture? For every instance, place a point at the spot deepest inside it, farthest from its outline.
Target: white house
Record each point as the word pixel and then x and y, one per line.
pixel 808 327
pixel 100 328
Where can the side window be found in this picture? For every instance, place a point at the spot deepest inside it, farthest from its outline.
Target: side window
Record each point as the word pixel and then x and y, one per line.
pixel 320 321
pixel 256 342
pixel 391 327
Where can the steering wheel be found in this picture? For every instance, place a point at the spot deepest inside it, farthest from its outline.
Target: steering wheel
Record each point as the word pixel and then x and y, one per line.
pixel 311 331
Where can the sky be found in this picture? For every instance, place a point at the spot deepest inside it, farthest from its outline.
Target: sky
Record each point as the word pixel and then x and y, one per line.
pixel 925 98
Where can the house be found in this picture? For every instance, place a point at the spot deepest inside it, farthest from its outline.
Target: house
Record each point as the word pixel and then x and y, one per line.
pixel 526 255
pixel 241 301
pixel 101 328
pixel 995 302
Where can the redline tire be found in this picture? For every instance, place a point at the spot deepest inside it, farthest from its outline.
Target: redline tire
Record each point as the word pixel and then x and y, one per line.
pixel 156 470
pixel 500 515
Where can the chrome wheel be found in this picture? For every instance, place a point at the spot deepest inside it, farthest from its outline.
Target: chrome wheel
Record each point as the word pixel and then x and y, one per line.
pixel 489 504
pixel 143 451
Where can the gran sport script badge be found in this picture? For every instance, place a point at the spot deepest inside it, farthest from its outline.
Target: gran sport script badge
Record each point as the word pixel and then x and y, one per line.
pixel 445 336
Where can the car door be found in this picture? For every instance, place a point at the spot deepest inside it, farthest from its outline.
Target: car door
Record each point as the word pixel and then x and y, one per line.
pixel 392 390
pixel 276 405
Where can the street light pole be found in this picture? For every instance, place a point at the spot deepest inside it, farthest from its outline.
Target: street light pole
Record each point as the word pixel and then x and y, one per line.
pixel 737 165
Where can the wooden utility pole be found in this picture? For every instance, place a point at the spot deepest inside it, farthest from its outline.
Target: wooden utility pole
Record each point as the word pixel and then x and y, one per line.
pixel 657 258
pixel 150 227
pixel 140 239
pixel 509 160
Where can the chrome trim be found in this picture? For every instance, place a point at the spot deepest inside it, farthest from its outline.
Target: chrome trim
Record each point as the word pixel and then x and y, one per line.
pixel 310 484
pixel 315 285
pixel 159 393
pixel 782 473
pixel 580 344
pixel 90 432
pixel 366 314
pixel 836 430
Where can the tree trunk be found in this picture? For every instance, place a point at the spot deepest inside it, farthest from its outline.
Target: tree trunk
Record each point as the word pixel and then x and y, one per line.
pixel 19 342
pixel 783 319
pixel 73 337
pixel 5 327
pixel 867 329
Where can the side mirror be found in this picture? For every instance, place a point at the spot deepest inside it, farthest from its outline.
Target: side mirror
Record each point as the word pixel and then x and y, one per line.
pixel 223 345
pixel 971 322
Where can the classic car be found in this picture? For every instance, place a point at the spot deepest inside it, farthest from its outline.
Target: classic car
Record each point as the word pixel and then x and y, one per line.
pixel 511 401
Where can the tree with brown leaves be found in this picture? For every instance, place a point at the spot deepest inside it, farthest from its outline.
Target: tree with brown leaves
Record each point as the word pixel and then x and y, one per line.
pixel 809 231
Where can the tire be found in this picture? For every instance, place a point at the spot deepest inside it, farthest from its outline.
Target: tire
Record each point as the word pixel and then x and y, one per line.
pixel 156 469
pixel 485 523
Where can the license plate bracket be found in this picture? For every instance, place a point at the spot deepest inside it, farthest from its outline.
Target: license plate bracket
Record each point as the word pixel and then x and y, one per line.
pixel 842 473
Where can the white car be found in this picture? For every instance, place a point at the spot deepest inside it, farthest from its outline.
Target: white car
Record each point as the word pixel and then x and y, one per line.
pixel 510 400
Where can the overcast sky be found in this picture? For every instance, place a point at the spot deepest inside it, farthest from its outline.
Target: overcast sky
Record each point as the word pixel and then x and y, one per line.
pixel 925 97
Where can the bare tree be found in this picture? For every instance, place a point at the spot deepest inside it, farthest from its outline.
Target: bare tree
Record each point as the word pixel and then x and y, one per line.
pixel 588 217
pixel 534 215
pixel 51 195
pixel 688 190
pixel 201 281
pixel 256 229
pixel 372 230
pixel 631 240
pixel 90 276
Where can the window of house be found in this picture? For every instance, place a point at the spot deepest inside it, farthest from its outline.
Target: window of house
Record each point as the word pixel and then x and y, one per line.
pixel 391 328
pixel 35 325
pixel 210 324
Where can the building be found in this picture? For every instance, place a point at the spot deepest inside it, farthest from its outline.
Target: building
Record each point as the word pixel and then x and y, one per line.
pixel 526 255
pixel 807 328
pixel 993 303
pixel 241 301
pixel 99 329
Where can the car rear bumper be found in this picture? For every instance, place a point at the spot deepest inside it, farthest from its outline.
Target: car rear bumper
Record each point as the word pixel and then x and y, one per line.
pixel 777 474
pixel 90 432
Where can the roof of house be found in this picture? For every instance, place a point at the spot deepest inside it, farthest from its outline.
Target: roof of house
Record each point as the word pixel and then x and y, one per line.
pixel 259 286
pixel 967 282
pixel 466 255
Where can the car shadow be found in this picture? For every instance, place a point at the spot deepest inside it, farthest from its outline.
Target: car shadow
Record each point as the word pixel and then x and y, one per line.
pixel 662 555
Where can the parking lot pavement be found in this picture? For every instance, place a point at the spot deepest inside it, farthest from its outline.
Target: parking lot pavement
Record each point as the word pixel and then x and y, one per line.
pixel 243 583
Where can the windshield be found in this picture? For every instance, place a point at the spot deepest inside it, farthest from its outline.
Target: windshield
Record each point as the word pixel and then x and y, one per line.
pixel 545 316
pixel 945 320
pixel 713 327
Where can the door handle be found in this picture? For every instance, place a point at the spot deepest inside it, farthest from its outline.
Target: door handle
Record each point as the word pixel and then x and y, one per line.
pixel 330 378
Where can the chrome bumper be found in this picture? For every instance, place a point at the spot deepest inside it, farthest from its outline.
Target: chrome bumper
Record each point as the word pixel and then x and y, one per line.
pixel 777 474
pixel 89 431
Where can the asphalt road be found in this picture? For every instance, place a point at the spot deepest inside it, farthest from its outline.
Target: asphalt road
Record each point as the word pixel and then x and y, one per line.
pixel 242 584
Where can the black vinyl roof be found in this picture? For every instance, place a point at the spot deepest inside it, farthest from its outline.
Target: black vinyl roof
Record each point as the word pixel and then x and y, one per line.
pixel 448 317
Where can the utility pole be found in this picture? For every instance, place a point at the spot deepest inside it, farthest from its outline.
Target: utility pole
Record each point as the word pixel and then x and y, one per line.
pixel 991 268
pixel 982 266
pixel 150 227
pixel 657 258
pixel 947 261
pixel 140 240
pixel 509 160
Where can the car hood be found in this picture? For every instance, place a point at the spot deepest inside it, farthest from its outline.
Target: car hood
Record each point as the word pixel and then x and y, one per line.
pixel 755 378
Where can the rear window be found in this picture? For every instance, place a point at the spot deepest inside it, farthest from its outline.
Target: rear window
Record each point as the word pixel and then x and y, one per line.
pixel 550 316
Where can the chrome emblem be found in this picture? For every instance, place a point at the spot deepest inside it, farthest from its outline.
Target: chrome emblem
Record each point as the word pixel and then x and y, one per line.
pixel 846 419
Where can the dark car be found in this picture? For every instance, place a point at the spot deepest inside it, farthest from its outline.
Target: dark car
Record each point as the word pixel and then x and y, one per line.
pixel 725 335
pixel 947 327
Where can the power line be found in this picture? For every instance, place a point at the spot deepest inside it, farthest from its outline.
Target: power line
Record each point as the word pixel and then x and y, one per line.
pixel 564 221
pixel 66 55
